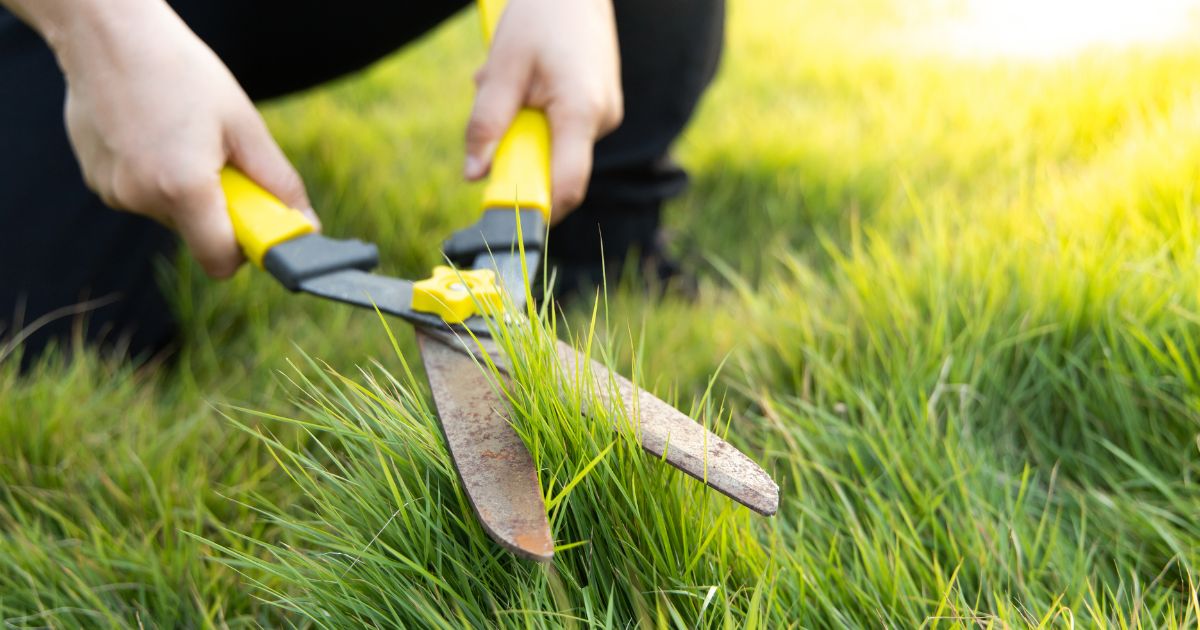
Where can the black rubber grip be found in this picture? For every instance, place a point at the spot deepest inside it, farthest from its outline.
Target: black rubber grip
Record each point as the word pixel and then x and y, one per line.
pixel 496 232
pixel 312 255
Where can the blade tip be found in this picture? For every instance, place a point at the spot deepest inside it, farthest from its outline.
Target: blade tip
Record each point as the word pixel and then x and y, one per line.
pixel 768 503
pixel 538 547
pixel 768 508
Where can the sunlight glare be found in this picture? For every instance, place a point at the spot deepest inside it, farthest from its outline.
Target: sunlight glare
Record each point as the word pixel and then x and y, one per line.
pixel 1052 28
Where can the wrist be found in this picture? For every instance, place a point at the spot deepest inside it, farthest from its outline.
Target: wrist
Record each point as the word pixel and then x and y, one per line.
pixel 80 30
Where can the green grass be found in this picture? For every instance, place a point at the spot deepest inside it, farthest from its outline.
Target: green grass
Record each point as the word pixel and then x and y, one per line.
pixel 952 304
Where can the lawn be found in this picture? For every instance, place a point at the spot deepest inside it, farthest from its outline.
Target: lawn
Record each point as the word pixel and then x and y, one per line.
pixel 951 302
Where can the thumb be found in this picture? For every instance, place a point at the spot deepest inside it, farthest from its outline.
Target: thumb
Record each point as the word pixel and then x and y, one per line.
pixel 254 151
pixel 500 93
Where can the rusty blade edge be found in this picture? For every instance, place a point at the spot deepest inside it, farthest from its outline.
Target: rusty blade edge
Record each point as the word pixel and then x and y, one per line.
pixel 493 464
pixel 689 446
pixel 666 432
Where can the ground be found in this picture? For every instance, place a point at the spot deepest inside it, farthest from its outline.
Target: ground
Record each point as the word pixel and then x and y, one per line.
pixel 950 301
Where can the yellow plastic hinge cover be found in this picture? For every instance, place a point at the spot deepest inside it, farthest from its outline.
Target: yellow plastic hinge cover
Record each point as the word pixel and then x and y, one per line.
pixel 456 295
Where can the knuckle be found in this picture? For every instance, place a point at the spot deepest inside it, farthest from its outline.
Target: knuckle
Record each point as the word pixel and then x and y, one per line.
pixel 125 189
pixel 223 270
pixel 587 109
pixel 572 194
pixel 578 110
pixel 219 264
pixel 616 113
pixel 291 185
pixel 598 101
pixel 176 186
pixel 103 185
pixel 148 182
pixel 598 104
pixel 111 200
pixel 482 128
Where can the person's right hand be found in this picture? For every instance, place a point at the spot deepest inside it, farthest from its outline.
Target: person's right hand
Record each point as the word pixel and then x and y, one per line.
pixel 153 115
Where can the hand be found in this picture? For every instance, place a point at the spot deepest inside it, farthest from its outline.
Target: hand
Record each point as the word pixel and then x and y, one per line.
pixel 559 56
pixel 153 115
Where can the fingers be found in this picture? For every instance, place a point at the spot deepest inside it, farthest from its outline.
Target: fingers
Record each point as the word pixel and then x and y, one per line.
pixel 502 85
pixel 573 134
pixel 183 196
pixel 252 149
pixel 204 225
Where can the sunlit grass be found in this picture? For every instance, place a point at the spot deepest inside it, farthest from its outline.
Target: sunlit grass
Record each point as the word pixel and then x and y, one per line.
pixel 384 535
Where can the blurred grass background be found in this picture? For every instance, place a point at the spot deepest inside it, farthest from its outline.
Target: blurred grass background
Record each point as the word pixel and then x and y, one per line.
pixel 955 297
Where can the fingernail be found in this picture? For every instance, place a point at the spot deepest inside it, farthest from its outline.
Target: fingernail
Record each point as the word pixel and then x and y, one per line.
pixel 313 218
pixel 473 168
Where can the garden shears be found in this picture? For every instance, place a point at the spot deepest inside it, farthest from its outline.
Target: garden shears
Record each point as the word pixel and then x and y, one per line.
pixel 493 262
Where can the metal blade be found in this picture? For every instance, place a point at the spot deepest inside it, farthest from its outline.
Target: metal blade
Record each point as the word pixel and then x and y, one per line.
pixel 669 433
pixel 687 444
pixel 391 295
pixel 511 274
pixel 492 461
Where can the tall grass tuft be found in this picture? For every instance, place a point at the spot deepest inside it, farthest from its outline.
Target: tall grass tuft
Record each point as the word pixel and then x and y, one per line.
pixel 384 535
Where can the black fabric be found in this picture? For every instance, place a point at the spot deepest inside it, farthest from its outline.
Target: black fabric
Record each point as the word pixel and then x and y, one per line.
pixel 59 245
pixel 276 47
pixel 669 53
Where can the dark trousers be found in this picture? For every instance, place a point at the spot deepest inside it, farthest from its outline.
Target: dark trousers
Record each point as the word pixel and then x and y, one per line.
pixel 61 247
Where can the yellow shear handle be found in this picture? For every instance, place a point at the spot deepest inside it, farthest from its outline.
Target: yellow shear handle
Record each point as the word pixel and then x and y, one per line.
pixel 520 173
pixel 260 220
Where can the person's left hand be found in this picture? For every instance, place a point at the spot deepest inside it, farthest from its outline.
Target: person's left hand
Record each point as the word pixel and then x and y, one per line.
pixel 559 56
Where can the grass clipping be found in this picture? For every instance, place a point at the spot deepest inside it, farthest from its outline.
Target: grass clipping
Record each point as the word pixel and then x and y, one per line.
pixel 385 535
